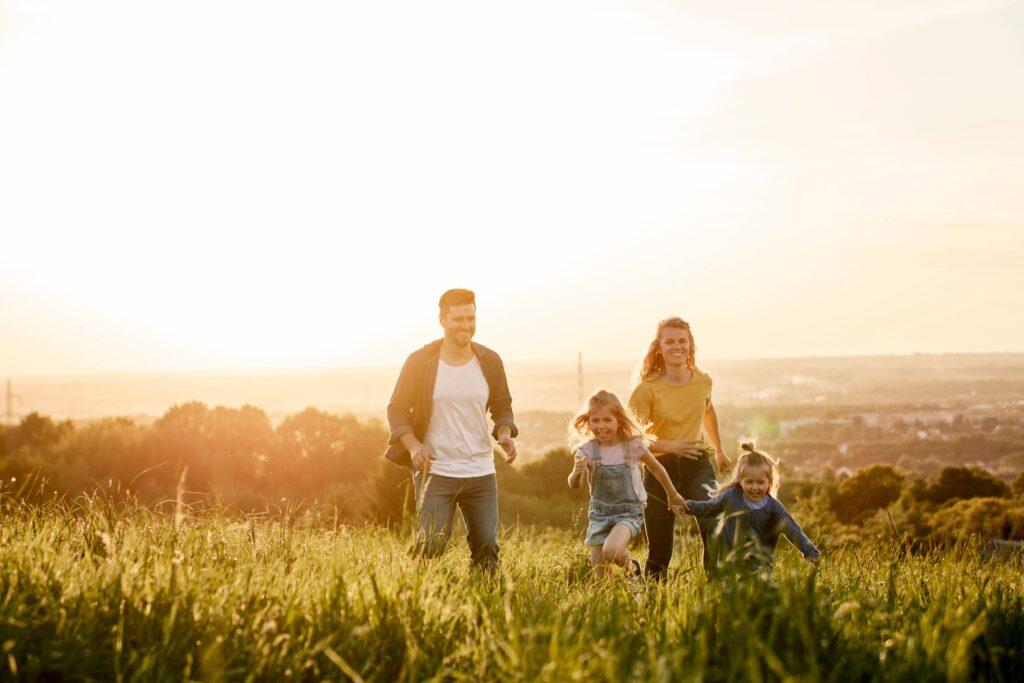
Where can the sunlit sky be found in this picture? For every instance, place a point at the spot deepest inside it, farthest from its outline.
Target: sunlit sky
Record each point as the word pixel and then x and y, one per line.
pixel 218 184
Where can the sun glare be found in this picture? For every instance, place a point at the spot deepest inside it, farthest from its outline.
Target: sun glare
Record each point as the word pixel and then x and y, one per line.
pixel 295 186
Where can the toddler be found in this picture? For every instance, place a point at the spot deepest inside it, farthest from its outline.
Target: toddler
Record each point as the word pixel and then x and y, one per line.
pixel 752 518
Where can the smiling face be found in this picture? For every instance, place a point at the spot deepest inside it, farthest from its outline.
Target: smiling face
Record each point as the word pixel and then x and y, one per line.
pixel 604 425
pixel 675 344
pixel 756 480
pixel 459 324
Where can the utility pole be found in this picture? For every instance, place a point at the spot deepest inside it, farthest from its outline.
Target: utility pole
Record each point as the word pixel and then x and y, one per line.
pixel 579 377
pixel 9 415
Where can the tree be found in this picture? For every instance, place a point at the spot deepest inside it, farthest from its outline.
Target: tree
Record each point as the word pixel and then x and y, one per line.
pixel 315 448
pixel 982 517
pixel 547 475
pixel 40 430
pixel 965 482
pixel 222 448
pixel 870 489
pixel 1018 485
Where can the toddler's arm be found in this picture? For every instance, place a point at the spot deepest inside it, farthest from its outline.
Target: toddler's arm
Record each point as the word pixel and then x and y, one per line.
pixel 707 508
pixel 794 534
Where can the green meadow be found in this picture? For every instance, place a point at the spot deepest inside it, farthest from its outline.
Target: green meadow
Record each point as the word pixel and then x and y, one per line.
pixel 105 591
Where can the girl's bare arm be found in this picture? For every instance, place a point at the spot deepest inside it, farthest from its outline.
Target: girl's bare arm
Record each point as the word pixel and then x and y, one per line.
pixel 579 470
pixel 658 471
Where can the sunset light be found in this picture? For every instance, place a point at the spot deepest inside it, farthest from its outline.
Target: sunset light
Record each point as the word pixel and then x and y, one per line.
pixel 236 185
pixel 546 340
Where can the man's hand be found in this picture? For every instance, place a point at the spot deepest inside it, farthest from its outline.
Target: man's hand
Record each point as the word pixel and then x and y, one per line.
pixel 508 444
pixel 723 462
pixel 421 457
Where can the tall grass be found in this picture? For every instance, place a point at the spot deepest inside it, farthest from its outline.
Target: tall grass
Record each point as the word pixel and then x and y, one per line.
pixel 98 590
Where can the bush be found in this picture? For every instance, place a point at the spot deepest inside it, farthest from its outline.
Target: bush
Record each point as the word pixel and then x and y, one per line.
pixel 1018 485
pixel 980 518
pixel 870 489
pixel 964 482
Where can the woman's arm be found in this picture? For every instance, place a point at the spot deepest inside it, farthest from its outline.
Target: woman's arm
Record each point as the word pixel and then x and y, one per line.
pixel 711 427
pixel 675 501
pixel 688 448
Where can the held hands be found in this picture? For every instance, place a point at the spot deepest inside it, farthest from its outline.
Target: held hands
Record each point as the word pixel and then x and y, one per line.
pixel 677 504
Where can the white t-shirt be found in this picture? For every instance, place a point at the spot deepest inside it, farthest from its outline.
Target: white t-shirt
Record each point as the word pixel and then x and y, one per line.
pixel 458 433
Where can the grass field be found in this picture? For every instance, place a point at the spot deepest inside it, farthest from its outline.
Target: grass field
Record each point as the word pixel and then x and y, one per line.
pixel 97 591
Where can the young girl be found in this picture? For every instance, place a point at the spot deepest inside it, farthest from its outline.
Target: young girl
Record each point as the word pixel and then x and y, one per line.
pixel 610 447
pixel 753 518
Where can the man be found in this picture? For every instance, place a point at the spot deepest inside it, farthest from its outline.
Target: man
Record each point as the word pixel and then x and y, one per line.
pixel 438 421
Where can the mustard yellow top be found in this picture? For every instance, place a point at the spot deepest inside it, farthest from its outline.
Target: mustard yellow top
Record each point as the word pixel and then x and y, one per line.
pixel 673 412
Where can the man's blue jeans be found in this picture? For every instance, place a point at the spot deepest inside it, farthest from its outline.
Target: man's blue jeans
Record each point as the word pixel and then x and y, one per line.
pixel 477 500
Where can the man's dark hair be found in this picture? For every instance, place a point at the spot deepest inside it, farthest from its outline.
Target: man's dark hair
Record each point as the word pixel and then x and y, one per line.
pixel 456 297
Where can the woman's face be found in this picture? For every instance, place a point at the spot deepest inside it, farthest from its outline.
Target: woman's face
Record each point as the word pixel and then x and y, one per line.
pixel 603 424
pixel 755 482
pixel 674 344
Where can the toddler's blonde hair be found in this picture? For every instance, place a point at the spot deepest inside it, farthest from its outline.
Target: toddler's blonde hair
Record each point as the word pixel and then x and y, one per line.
pixel 751 457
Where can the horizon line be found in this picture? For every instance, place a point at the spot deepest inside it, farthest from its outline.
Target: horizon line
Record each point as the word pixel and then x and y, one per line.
pixel 302 370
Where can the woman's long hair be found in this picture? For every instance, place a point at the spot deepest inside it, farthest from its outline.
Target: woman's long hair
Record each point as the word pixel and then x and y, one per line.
pixel 750 457
pixel 579 426
pixel 653 364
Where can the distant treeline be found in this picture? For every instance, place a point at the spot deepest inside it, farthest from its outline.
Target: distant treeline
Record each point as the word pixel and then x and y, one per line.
pixel 227 457
pixel 233 458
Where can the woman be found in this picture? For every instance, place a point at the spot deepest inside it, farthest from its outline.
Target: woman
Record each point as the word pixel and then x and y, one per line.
pixel 674 397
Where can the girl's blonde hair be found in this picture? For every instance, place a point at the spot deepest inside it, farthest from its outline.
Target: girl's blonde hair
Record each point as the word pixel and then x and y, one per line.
pixel 579 426
pixel 653 364
pixel 750 457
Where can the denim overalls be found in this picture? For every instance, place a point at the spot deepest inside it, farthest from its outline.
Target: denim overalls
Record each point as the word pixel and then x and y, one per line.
pixel 612 498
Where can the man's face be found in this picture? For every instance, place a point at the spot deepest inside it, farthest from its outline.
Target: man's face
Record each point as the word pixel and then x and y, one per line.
pixel 459 324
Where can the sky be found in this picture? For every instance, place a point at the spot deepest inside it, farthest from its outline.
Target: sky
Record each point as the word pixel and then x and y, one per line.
pixel 227 185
